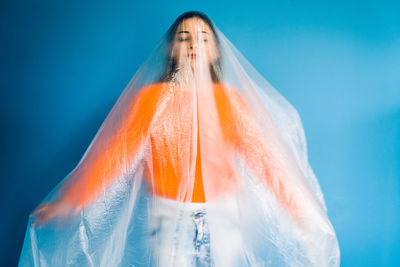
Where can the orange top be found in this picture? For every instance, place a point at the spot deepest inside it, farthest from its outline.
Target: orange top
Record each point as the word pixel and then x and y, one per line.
pixel 162 117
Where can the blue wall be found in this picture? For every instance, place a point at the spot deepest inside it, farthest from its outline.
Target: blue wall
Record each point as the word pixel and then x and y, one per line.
pixel 64 64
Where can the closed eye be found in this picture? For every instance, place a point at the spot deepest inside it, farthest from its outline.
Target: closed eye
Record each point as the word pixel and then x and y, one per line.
pixel 183 39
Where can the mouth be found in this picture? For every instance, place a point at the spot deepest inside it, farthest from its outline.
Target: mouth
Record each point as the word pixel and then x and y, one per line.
pixel 192 55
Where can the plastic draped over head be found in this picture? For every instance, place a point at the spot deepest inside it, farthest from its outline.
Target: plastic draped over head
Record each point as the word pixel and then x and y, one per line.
pixel 200 161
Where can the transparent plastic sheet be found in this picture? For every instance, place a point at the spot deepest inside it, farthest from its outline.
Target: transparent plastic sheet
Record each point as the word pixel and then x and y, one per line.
pixel 201 162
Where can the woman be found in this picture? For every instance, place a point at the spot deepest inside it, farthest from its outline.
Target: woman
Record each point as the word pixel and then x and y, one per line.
pixel 190 169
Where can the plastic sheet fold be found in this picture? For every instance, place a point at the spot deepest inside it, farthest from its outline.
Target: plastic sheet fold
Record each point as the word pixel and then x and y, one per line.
pixel 200 162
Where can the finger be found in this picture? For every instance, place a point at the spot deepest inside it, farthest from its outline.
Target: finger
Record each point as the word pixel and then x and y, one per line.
pixel 39 209
pixel 33 213
pixel 40 219
pixel 35 222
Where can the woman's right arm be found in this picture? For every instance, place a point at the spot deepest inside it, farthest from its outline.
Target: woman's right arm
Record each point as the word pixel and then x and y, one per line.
pixel 104 163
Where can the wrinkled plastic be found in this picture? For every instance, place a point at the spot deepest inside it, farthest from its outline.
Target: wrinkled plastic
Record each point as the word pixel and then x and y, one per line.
pixel 201 162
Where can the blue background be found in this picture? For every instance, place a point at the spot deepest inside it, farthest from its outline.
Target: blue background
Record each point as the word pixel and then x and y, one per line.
pixel 64 64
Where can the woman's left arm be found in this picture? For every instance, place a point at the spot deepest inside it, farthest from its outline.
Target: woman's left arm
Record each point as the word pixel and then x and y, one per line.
pixel 265 157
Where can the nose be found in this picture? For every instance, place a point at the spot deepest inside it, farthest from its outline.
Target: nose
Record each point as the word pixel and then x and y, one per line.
pixel 193 45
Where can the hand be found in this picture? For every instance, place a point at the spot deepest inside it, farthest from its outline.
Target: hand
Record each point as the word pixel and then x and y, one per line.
pixel 312 217
pixel 50 210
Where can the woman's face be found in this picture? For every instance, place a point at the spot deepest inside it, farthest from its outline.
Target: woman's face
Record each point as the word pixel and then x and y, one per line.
pixel 194 43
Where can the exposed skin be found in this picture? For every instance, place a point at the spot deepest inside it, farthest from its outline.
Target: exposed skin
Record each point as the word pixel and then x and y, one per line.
pixel 235 129
pixel 185 49
pixel 194 38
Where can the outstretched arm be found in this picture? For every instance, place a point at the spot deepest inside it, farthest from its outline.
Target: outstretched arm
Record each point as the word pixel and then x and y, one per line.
pixel 106 159
pixel 267 158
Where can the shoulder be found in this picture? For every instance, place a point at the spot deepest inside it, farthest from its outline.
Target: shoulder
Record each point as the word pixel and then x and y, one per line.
pixel 146 98
pixel 229 93
pixel 153 88
pixel 150 92
pixel 227 89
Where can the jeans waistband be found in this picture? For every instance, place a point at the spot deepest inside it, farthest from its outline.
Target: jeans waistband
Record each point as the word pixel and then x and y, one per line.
pixel 163 202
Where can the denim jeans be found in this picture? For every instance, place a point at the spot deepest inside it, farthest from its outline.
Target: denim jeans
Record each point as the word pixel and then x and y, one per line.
pixel 180 235
pixel 201 238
